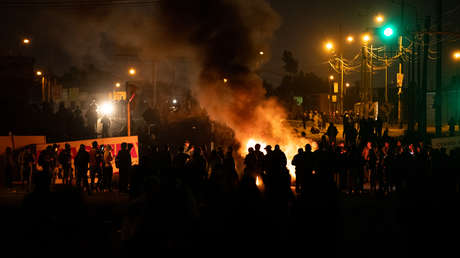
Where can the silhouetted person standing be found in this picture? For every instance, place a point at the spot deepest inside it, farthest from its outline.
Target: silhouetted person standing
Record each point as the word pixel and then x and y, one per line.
pixel 65 160
pixel 332 133
pixel 108 169
pixel 180 162
pixel 230 175
pixel 250 162
pixel 43 175
pixel 259 155
pixel 105 126
pixel 124 165
pixel 95 159
pixel 299 163
pixel 91 117
pixel 81 166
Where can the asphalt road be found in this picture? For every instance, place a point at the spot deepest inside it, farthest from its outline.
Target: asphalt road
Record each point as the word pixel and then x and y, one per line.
pixel 359 226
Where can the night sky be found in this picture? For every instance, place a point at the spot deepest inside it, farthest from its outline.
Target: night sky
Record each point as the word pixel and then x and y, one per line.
pixel 64 37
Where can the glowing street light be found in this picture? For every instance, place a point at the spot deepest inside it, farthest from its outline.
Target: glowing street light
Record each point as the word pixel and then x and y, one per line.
pixel 366 38
pixel 174 101
pixel 261 53
pixel 26 41
pixel 329 46
pixel 456 55
pixel 117 85
pixel 379 18
pixel 347 84
pixel 106 108
pixel 350 39
pixel 225 80
pixel 39 73
pixel 132 71
pixel 331 77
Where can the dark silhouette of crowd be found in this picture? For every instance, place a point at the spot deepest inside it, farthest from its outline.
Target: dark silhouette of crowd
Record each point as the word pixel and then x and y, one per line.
pixel 193 196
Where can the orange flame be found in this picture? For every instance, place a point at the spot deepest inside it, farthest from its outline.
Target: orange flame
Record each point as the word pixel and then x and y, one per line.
pixel 259 183
pixel 290 149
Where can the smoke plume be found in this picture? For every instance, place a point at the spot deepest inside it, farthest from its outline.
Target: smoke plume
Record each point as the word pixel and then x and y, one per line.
pixel 227 37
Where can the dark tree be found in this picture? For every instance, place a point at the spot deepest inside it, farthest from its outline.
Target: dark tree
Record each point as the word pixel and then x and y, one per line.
pixel 291 65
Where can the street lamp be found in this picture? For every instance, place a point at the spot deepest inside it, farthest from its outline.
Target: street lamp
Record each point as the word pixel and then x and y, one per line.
pixel 261 53
pixel 329 46
pixel 40 74
pixel 26 41
pixel 366 38
pixel 350 39
pixel 331 79
pixel 379 18
pixel 225 80
pixel 132 71
pixel 456 55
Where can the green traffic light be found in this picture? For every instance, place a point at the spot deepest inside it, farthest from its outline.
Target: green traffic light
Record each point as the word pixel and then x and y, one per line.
pixel 388 32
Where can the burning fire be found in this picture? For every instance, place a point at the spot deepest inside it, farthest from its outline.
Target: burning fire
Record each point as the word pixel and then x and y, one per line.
pixel 252 143
pixel 289 148
pixel 260 183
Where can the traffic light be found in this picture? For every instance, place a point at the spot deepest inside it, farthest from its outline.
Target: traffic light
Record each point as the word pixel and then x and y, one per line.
pixel 388 31
pixel 387 34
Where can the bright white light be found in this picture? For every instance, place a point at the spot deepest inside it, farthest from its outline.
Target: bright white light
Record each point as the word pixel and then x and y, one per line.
pixel 174 101
pixel 106 108
pixel 388 32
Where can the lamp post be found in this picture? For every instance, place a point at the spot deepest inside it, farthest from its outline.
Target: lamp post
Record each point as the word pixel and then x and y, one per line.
pixel 131 72
pixel 331 79
pixel 456 57
pixel 40 74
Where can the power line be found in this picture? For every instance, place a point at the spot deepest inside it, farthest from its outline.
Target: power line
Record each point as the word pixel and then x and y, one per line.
pixel 76 4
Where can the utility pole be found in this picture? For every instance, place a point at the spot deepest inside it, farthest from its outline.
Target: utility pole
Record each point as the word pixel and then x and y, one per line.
pixel 371 79
pixel 419 70
pixel 341 69
pixel 426 40
pixel 400 85
pixel 43 89
pixel 438 96
pixel 386 76
pixel 128 111
pixel 364 90
pixel 401 30
pixel 411 90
